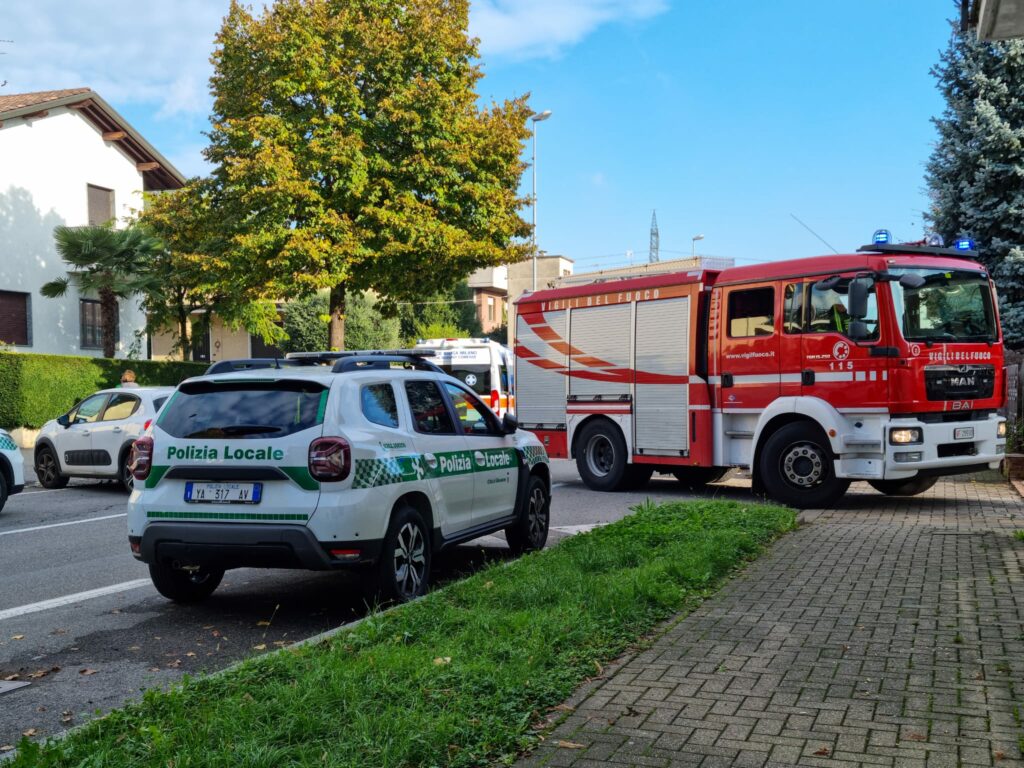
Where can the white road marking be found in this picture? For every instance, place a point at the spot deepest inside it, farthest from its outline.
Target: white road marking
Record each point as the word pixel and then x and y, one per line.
pixel 558 485
pixel 28 492
pixel 78 597
pixel 58 525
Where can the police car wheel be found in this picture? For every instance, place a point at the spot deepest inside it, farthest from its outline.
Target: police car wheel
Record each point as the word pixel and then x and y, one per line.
pixel 696 478
pixel 911 487
pixel 184 586
pixel 403 572
pixel 797 469
pixel 601 456
pixel 3 491
pixel 48 470
pixel 530 533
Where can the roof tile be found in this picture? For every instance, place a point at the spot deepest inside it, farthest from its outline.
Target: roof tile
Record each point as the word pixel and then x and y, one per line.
pixel 10 102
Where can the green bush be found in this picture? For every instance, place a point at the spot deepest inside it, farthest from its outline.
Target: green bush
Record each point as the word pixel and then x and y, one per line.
pixel 37 388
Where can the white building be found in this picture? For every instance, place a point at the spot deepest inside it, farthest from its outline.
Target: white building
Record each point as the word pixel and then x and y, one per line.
pixel 66 158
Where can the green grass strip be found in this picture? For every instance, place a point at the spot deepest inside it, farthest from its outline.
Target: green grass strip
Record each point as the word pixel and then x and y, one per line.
pixel 520 638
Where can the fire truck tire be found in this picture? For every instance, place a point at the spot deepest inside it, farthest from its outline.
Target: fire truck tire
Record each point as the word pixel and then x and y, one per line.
pixel 601 456
pixel 797 468
pixel 911 487
pixel 696 478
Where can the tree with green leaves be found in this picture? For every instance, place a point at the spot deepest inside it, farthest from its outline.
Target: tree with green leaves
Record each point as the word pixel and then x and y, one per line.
pixel 974 173
pixel 112 263
pixel 349 153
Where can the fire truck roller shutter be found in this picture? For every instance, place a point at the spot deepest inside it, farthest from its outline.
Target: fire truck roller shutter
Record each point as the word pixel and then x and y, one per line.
pixel 601 334
pixel 540 368
pixel 662 348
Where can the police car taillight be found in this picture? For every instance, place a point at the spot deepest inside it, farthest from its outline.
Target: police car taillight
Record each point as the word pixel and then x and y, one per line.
pixel 142 457
pixel 330 459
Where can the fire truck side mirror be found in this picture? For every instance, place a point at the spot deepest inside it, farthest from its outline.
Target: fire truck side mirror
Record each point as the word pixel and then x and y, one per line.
pixel 858 297
pixel 858 330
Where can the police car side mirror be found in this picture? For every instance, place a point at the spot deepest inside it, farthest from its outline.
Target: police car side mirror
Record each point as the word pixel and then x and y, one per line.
pixel 509 424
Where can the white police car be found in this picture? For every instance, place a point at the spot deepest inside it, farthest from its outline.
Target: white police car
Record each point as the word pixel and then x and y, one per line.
pixel 12 468
pixel 377 461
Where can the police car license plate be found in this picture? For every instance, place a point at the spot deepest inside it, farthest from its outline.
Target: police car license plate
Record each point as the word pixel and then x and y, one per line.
pixel 963 433
pixel 223 493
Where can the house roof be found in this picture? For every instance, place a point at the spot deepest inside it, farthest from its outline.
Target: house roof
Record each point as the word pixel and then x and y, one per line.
pixel 157 171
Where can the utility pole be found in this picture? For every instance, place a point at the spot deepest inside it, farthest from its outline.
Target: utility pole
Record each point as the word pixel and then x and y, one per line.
pixel 654 257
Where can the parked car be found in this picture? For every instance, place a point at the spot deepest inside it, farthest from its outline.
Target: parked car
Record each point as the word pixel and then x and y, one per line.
pixel 12 471
pixel 94 438
pixel 358 464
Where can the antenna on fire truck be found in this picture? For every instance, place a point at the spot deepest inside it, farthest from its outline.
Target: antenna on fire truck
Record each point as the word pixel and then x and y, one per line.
pixel 655 238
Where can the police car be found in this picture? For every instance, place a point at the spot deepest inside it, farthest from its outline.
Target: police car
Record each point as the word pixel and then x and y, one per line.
pixel 12 471
pixel 374 460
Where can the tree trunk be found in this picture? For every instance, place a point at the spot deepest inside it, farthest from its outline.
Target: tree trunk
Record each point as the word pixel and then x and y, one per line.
pixel 108 316
pixel 336 338
pixel 184 341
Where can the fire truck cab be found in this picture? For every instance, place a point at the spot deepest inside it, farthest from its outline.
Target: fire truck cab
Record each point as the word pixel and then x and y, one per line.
pixel 885 365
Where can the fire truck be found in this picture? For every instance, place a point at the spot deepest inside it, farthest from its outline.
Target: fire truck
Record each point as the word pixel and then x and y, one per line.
pixel 885 366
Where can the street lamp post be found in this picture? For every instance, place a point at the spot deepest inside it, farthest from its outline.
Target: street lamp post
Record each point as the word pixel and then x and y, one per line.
pixel 693 245
pixel 536 119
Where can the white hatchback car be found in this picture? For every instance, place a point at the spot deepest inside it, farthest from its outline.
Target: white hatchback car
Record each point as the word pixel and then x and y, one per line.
pixel 12 468
pixel 358 465
pixel 94 439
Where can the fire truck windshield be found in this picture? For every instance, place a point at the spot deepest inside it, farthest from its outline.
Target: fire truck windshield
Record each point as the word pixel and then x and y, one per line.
pixel 951 306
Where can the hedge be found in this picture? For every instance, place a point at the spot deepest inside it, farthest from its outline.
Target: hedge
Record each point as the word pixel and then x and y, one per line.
pixel 36 388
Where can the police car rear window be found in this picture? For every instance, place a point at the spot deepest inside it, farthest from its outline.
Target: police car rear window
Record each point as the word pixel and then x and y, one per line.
pixel 258 410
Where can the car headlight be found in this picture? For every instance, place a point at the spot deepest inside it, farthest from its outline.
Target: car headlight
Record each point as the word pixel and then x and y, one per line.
pixel 1001 430
pixel 905 436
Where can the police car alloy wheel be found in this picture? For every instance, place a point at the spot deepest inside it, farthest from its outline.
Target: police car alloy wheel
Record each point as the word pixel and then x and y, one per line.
pixel 531 532
pixel 404 569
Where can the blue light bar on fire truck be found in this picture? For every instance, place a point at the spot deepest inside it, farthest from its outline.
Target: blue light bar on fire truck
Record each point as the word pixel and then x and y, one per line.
pixel 964 244
pixel 881 237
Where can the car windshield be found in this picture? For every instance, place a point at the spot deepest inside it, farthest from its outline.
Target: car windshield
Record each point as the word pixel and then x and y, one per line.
pixel 952 305
pixel 242 409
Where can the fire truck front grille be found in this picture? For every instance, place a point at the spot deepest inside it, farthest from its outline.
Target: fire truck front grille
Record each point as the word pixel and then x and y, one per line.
pixel 959 382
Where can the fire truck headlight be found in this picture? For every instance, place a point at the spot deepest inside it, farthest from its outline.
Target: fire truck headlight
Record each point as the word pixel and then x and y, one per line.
pixel 1001 430
pixel 905 436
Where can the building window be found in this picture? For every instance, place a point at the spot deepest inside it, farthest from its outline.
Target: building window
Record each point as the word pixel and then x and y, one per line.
pixel 101 205
pixel 490 309
pixel 14 318
pixel 91 319
pixel 751 313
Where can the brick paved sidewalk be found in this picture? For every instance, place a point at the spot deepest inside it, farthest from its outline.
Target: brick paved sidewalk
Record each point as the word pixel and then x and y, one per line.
pixel 887 633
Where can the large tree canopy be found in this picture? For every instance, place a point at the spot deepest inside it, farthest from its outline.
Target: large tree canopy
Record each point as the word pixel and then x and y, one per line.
pixel 349 152
pixel 976 172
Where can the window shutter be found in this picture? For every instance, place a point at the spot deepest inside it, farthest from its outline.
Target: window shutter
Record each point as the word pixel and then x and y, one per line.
pixel 14 318
pixel 101 205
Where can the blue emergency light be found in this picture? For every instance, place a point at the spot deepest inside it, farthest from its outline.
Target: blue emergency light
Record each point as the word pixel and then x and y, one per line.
pixel 881 237
pixel 934 241
pixel 965 244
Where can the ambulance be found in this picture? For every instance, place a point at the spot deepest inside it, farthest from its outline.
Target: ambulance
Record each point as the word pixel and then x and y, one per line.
pixel 483 365
pixel 885 365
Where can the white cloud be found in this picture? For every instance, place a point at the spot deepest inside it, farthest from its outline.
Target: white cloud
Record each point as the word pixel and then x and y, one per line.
pixel 543 28
pixel 142 52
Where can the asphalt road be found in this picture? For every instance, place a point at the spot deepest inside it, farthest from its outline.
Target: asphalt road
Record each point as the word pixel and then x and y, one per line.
pixel 81 623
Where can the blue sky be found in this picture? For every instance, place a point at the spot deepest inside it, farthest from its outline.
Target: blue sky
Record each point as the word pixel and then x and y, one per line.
pixel 727 118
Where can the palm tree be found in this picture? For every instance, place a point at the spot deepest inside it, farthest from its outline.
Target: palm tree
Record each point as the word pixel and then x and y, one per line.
pixel 112 263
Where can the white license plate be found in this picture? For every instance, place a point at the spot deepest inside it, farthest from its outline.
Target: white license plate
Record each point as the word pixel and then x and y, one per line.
pixel 963 433
pixel 223 493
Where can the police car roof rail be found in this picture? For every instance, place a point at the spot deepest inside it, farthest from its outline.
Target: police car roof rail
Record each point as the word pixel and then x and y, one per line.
pixel 919 249
pixel 383 360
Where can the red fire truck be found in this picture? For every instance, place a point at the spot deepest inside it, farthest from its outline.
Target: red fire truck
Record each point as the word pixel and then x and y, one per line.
pixel 884 366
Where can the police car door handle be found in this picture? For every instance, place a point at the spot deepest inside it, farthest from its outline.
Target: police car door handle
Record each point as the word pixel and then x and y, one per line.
pixel 807 377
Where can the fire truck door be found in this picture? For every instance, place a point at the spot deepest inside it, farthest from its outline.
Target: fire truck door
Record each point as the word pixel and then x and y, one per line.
pixel 835 368
pixel 750 349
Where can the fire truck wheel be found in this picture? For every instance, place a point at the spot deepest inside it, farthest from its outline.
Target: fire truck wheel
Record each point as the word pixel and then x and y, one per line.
pixel 911 487
pixel 696 478
pixel 796 468
pixel 601 456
